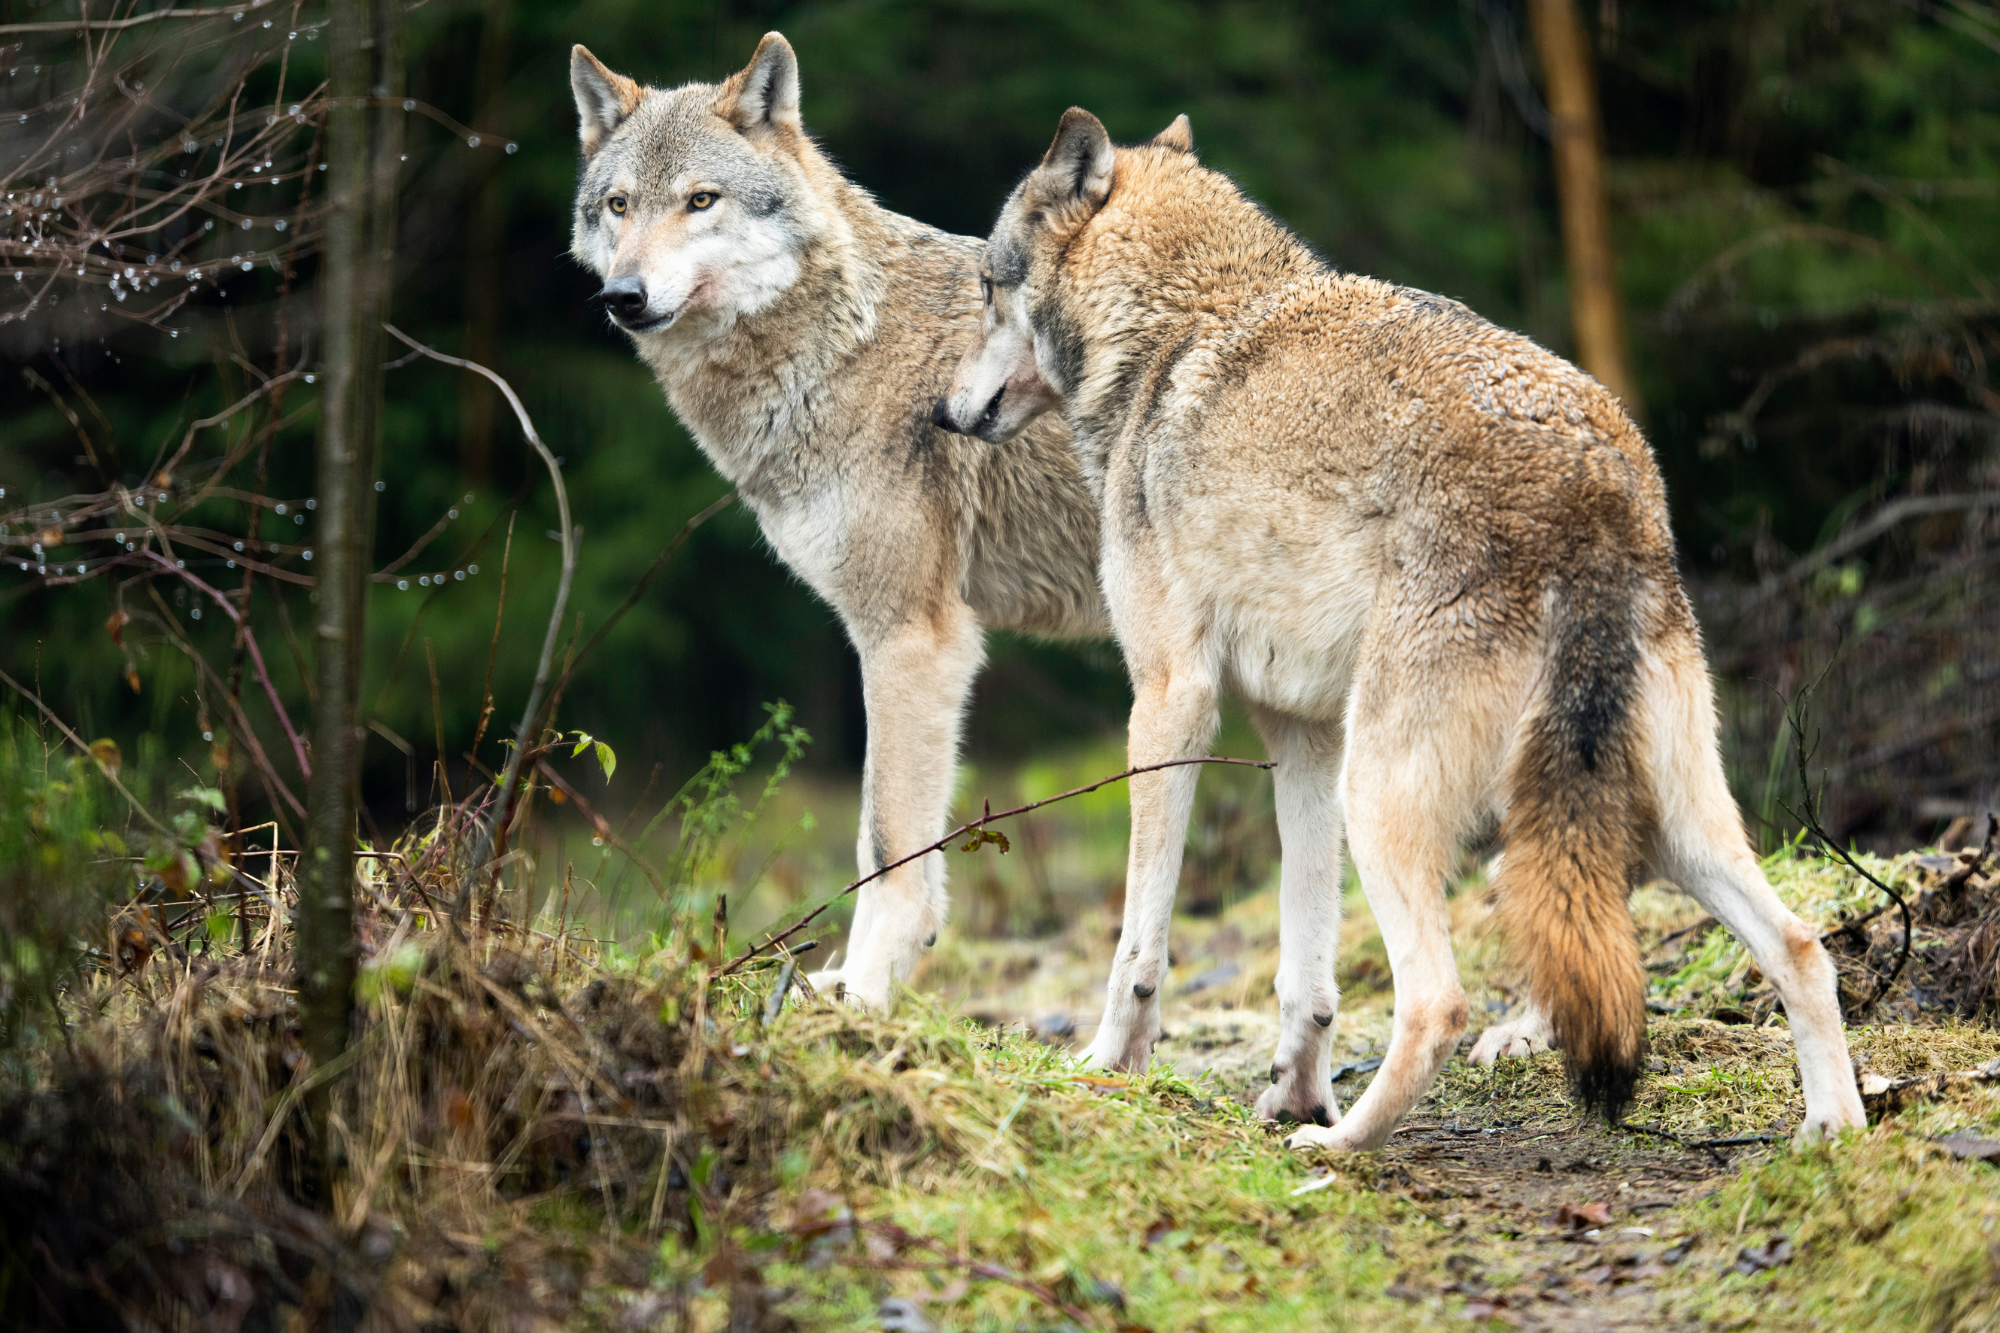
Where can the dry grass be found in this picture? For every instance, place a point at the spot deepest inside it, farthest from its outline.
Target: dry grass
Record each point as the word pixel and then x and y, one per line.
pixel 539 1130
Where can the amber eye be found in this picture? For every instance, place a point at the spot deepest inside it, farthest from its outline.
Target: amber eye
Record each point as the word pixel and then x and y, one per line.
pixel 616 203
pixel 701 199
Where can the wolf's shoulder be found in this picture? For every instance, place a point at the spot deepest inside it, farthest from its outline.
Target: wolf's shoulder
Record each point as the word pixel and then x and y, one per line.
pixel 925 239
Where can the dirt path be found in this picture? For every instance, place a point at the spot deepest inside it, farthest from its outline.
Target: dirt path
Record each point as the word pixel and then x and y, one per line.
pixel 1513 1194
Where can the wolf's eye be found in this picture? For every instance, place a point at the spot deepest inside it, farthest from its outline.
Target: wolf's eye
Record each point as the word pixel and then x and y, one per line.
pixel 616 203
pixel 701 199
pixel 986 290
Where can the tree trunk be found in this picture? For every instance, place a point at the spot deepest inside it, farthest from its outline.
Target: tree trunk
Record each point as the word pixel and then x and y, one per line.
pixel 1576 134
pixel 364 139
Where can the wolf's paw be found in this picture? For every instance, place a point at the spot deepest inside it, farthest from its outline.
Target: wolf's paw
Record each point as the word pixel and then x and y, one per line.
pixel 1526 1036
pixel 1118 1051
pixel 1829 1122
pixel 835 984
pixel 1298 1101
pixel 1335 1137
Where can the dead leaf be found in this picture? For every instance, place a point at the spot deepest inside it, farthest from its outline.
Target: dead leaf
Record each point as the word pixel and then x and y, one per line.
pixel 105 752
pixel 1966 1146
pixel 1494 1308
pixel 132 677
pixel 1093 1081
pixel 819 1211
pixel 50 536
pixel 114 625
pixel 1583 1216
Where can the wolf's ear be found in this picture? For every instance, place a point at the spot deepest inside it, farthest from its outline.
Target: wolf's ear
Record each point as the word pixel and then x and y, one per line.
pixel 764 92
pixel 1079 163
pixel 603 99
pixel 1178 136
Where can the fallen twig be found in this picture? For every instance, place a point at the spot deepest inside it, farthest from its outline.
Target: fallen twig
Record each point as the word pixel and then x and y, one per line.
pixel 976 826
pixel 1884 1096
pixel 1708 1146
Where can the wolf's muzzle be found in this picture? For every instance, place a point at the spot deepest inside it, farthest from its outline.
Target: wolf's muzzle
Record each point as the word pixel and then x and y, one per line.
pixel 625 298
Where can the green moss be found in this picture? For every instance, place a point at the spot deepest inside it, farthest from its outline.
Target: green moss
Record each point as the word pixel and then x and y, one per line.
pixel 1887 1230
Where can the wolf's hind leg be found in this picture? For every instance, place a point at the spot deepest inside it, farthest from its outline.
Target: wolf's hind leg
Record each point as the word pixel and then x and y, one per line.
pixel 1311 829
pixel 1701 847
pixel 1416 758
pixel 1173 716
pixel 914 681
pixel 1528 1034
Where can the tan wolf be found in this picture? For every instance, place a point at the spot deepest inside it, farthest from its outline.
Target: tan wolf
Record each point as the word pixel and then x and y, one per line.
pixel 803 333
pixel 1434 558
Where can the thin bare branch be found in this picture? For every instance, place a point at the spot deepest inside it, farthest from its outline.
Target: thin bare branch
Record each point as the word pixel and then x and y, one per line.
pixel 976 826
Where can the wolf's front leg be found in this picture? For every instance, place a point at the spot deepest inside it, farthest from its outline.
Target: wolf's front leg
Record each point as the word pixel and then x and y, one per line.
pixel 914 682
pixel 1173 716
pixel 1310 831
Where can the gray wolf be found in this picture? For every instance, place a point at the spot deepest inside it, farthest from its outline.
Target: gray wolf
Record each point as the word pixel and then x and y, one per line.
pixel 803 333
pixel 1434 559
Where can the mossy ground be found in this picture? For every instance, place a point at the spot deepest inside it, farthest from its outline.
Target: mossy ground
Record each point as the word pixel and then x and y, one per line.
pixel 1160 1200
pixel 541 1133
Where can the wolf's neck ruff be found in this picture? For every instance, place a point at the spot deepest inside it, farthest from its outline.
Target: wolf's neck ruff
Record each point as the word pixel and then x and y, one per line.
pixel 745 384
pixel 1175 255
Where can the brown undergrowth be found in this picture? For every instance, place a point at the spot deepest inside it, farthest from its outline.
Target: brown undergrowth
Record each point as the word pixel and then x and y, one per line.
pixel 535 1129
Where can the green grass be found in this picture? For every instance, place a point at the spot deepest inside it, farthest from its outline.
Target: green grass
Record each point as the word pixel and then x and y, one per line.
pixel 828 1159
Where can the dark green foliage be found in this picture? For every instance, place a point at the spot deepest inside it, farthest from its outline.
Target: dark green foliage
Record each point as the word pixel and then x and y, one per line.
pixel 61 863
pixel 1801 194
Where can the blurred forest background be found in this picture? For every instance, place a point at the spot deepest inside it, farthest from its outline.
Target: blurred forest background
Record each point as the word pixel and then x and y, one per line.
pixel 1802 195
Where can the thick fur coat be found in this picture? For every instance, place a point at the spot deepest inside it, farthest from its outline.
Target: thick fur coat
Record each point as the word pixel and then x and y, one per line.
pixel 1434 559
pixel 802 333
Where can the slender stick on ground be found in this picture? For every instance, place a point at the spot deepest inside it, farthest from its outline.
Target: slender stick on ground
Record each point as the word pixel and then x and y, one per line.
pixel 977 828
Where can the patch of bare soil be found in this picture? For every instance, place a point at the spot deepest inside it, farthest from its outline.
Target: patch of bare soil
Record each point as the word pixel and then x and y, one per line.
pixel 1556 1226
pixel 1553 1224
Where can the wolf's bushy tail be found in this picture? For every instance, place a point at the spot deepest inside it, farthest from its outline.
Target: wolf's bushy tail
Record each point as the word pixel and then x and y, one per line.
pixel 1575 812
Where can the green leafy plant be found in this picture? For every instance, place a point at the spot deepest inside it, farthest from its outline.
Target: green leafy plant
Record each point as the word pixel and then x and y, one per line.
pixel 60 862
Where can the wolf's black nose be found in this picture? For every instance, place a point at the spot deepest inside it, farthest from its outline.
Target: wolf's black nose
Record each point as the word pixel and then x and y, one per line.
pixel 941 415
pixel 625 298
